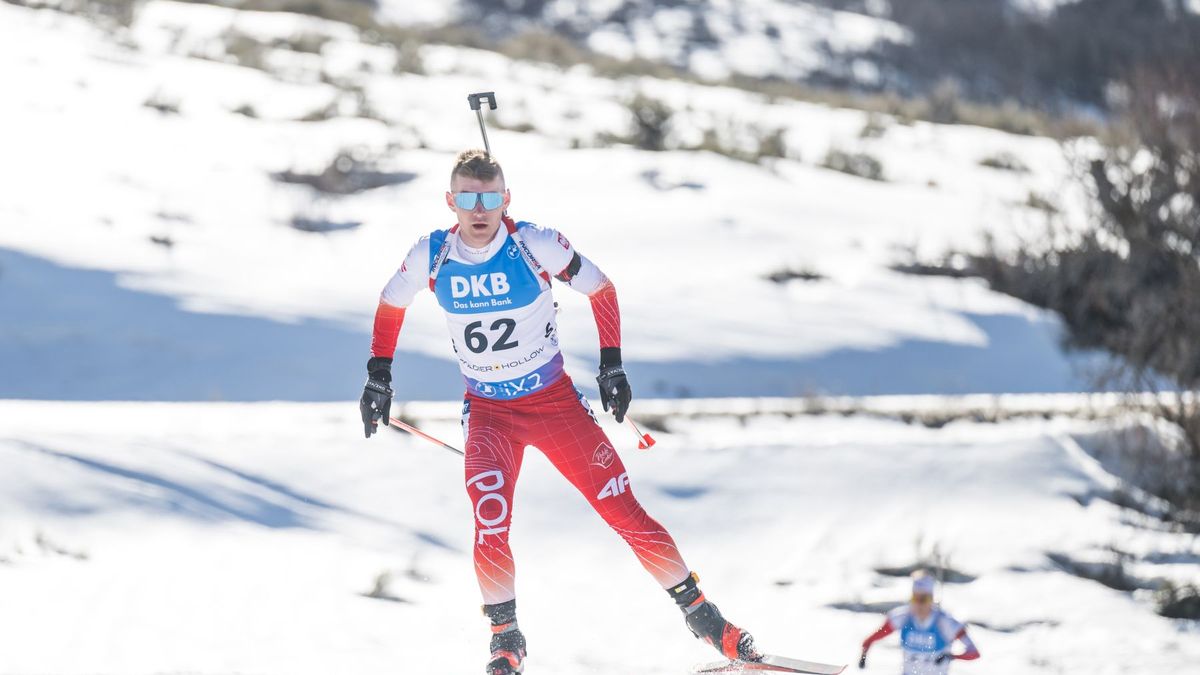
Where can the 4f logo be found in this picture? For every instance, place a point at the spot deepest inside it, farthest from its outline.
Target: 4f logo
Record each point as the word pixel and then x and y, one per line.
pixel 614 486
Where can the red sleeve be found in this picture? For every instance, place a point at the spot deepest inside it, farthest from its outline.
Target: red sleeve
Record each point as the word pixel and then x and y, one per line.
pixel 884 631
pixel 388 319
pixel 972 652
pixel 607 313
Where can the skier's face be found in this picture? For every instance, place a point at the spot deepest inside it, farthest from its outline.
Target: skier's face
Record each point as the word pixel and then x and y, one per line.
pixel 477 226
pixel 922 605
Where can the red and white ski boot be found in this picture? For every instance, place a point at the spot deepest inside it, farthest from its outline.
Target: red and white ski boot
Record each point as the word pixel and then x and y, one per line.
pixel 705 621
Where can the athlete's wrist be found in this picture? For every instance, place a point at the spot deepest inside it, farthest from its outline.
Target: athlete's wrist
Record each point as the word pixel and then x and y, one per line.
pixel 379 368
pixel 609 357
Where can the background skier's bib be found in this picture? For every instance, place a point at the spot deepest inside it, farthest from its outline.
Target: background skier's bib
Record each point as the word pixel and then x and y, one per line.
pixel 922 645
pixel 501 320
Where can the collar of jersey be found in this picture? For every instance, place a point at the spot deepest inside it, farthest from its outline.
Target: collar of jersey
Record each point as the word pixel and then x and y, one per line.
pixel 495 246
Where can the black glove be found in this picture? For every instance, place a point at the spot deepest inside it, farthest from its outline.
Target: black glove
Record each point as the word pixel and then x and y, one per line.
pixel 943 657
pixel 376 401
pixel 862 661
pixel 615 393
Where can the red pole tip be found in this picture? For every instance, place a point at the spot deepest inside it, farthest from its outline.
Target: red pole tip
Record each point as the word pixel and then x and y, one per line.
pixel 647 442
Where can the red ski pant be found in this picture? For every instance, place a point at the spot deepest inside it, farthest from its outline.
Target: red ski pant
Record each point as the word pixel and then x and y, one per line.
pixel 559 422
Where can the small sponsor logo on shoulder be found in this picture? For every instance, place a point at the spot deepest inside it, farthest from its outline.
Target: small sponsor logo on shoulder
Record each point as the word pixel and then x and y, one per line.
pixel 604 455
pixel 563 242
pixel 512 251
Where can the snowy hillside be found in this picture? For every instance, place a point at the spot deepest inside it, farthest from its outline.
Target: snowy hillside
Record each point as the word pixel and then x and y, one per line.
pixel 144 240
pixel 218 538
pixel 712 38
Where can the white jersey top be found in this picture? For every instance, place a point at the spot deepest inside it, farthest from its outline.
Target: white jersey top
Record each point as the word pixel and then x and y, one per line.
pixel 499 310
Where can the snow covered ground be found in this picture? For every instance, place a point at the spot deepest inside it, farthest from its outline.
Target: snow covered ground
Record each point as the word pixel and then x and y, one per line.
pixel 141 538
pixel 148 255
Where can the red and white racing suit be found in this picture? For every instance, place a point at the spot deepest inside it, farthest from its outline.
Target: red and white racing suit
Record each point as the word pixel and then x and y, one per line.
pixel 501 317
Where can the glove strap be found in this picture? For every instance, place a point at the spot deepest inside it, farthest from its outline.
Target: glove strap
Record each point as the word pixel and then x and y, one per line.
pixel 607 372
pixel 378 387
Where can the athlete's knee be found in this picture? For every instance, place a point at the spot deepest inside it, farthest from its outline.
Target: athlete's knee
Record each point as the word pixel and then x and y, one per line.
pixel 625 512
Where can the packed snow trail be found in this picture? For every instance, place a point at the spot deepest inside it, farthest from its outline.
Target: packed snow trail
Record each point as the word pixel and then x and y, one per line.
pixel 220 538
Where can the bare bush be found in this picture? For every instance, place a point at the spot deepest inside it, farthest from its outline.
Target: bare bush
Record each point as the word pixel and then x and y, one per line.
pixel 1130 285
pixel 786 274
pixel 1112 573
pixel 322 225
pixel 544 46
pixel 326 112
pixel 245 50
pixel 1004 161
pixel 858 164
pixel 354 12
pixel 346 174
pixel 1052 61
pixel 651 122
pixel 246 110
pixel 1178 601
pixel 119 13
pixel 875 126
pixel 304 43
pixel 1037 202
pixel 772 143
pixel 408 59
pixel 163 103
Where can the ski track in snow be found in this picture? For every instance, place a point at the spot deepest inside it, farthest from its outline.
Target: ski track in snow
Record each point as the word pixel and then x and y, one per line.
pixel 240 538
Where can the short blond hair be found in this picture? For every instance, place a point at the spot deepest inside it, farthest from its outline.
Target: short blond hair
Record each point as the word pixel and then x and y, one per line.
pixel 478 164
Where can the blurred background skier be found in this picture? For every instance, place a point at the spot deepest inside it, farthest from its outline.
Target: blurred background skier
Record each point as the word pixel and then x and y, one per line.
pixel 927 633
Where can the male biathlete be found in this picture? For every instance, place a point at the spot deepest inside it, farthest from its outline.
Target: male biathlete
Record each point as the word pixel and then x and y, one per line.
pixel 927 633
pixel 491 276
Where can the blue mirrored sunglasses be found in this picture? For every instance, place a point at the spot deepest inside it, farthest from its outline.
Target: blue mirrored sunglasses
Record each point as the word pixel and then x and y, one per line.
pixel 467 200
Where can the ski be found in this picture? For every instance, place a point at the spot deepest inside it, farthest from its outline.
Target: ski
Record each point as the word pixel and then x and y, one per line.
pixel 769 664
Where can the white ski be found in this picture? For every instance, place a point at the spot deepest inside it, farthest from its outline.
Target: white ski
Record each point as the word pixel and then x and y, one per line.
pixel 770 664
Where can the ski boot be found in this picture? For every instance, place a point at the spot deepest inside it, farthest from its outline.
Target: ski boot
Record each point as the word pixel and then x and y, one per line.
pixel 508 644
pixel 706 623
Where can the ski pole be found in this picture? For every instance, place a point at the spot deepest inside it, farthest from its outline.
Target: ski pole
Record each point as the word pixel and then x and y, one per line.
pixel 645 441
pixel 476 101
pixel 417 432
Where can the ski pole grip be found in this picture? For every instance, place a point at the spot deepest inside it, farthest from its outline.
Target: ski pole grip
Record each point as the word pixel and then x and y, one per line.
pixel 476 100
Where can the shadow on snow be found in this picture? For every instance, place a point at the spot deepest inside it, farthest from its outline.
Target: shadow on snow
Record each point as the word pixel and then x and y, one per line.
pixel 72 334
pixel 78 335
